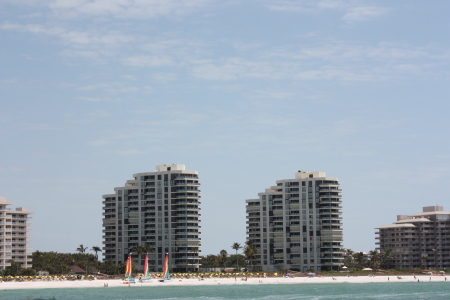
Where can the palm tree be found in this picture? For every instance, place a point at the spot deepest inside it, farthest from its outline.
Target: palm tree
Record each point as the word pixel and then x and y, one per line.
pixel 96 249
pixel 14 268
pixel 375 259
pixel 236 246
pixel 223 257
pixel 386 258
pixel 147 248
pixel 82 249
pixel 250 251
pixel 138 250
pixel 360 259
pixel 348 257
pixel 142 249
pixel 209 261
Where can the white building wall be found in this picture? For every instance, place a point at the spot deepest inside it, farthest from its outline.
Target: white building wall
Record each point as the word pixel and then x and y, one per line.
pixel 14 237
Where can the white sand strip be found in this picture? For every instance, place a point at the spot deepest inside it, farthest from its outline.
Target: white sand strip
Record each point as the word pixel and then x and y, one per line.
pixel 213 281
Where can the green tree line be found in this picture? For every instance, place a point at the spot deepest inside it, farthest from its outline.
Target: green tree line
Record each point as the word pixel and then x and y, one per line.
pixel 373 259
pixel 236 261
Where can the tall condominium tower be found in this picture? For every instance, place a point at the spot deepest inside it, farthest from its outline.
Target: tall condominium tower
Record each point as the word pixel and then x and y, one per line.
pixel 297 224
pixel 14 240
pixel 420 240
pixel 159 208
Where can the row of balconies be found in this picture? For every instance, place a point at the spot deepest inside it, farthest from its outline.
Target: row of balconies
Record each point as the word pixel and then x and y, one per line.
pixel 185 189
pixel 186 196
pixel 186 214
pixel 186 232
pixel 185 207
pixel 187 183
pixel 196 220
pixel 330 189
pixel 189 201
pixel 186 226
pixel 329 184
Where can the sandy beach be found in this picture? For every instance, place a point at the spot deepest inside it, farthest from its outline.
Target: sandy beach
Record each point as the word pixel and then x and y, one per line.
pixel 214 281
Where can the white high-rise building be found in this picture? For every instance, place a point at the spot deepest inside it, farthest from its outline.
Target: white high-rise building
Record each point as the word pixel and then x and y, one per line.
pixel 160 208
pixel 297 224
pixel 14 239
pixel 420 240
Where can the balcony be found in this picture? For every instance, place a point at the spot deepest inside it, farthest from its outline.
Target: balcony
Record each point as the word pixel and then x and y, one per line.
pixel 329 184
pixel 328 189
pixel 187 214
pixel 187 183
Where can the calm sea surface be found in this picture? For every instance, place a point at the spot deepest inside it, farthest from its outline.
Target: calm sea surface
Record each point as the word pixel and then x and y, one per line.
pixel 392 290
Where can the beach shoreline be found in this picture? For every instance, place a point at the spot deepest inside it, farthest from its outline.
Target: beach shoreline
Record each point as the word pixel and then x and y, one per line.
pixel 6 285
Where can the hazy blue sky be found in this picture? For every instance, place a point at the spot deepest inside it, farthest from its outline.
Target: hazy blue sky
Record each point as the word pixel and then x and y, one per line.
pixel 245 92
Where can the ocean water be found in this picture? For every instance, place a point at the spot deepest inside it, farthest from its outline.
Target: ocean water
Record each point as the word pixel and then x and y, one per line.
pixel 311 291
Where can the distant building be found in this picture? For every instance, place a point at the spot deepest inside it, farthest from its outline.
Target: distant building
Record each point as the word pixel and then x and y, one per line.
pixel 14 239
pixel 420 240
pixel 159 208
pixel 297 224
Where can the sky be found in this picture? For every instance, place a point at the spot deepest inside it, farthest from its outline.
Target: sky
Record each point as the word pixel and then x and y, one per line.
pixel 246 92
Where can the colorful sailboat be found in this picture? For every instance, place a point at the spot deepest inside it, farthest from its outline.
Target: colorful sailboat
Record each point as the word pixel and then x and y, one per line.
pixel 166 273
pixel 129 271
pixel 146 277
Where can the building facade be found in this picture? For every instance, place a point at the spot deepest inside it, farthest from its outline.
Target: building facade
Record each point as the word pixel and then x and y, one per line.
pixel 14 238
pixel 161 209
pixel 420 240
pixel 297 224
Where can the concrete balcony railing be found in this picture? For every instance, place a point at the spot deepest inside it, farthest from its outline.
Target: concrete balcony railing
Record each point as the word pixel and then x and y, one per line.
pixel 186 183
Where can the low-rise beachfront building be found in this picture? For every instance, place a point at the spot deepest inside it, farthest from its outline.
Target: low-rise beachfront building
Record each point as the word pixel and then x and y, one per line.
pixel 161 209
pixel 420 240
pixel 297 224
pixel 14 238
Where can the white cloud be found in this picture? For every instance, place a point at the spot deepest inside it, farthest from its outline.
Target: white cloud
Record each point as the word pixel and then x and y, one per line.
pixel 364 13
pixel 99 142
pixel 91 99
pixel 99 114
pixel 290 5
pixel 332 4
pixel 236 67
pixel 125 8
pixel 272 94
pixel 165 76
pixel 36 126
pixel 73 37
pixel 129 77
pixel 149 60
pixel 353 11
pixel 100 99
pixel 130 152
